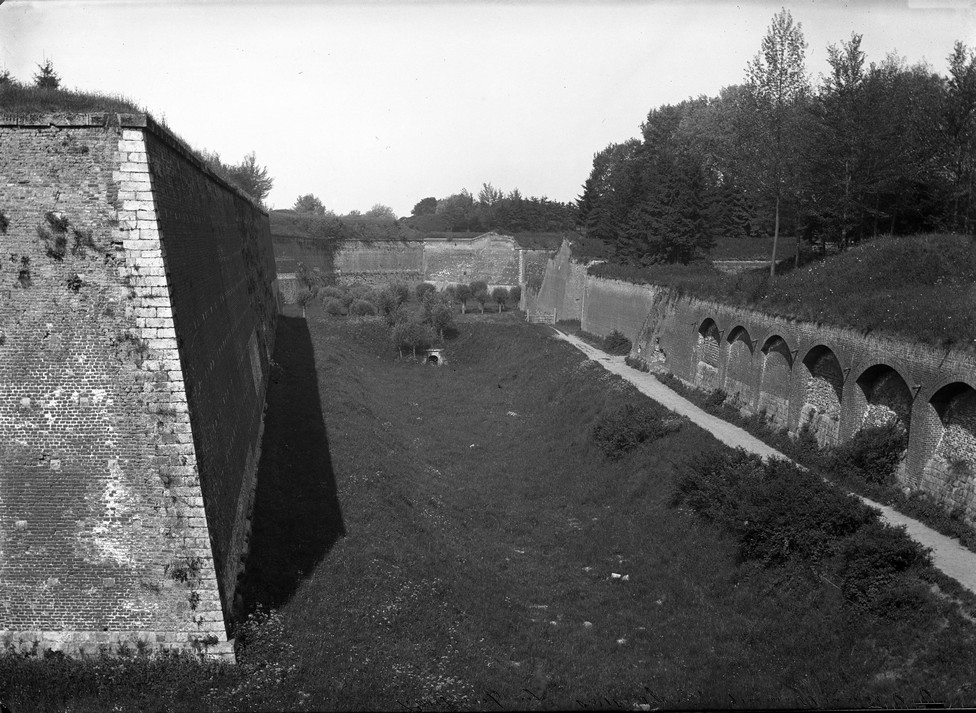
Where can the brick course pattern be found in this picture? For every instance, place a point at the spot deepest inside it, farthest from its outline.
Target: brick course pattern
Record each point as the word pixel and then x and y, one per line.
pixel 136 303
pixel 831 380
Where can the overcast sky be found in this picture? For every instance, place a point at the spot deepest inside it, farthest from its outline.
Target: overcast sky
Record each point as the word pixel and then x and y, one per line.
pixel 391 101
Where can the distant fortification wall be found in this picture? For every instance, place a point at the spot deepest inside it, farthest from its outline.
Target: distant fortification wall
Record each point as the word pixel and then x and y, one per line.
pixel 496 259
pixel 799 375
pixel 137 319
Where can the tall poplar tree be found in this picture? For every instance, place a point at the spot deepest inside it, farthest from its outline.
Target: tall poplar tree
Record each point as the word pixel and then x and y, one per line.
pixel 777 84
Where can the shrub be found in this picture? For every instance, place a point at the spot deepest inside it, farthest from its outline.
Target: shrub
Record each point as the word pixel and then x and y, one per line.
pixel 715 398
pixel 389 299
pixel 624 429
pixel 872 454
pixel 333 307
pixel 875 560
pixel 778 512
pixel 478 286
pixel 616 343
pixel 362 308
pixel 331 292
pixel 423 289
pixel 637 363
pixel 515 294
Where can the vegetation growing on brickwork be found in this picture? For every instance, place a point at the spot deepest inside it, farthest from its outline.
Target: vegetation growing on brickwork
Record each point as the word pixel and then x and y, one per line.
pixel 16 99
pixel 872 455
pixel 4 223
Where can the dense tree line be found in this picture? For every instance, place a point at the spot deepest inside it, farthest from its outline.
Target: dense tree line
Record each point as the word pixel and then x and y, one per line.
pixel 874 148
pixel 493 209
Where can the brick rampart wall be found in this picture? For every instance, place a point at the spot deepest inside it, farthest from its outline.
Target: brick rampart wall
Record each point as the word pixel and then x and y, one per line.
pixel 105 529
pixel 828 379
pixel 496 259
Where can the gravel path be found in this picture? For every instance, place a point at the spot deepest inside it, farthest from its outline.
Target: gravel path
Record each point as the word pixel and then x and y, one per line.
pixel 947 554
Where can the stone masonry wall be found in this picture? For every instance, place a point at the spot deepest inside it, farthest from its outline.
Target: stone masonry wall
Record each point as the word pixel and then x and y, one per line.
pixel 220 266
pixel 830 380
pixel 104 531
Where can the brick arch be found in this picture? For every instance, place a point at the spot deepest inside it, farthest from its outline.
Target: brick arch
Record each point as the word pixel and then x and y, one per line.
pixel 822 394
pixel 949 474
pixel 884 397
pixel 708 355
pixel 776 380
pixel 740 377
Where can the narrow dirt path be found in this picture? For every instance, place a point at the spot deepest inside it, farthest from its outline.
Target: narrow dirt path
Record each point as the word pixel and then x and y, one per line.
pixel 947 554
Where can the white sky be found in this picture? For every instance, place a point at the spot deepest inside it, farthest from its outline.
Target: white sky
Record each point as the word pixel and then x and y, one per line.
pixel 388 102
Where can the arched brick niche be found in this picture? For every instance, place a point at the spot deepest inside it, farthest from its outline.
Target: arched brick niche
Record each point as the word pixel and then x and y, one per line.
pixel 950 471
pixel 883 398
pixel 739 377
pixel 708 355
pixel 776 376
pixel 820 412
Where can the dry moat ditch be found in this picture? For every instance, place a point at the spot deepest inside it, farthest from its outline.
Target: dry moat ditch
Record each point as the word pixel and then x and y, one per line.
pixel 457 537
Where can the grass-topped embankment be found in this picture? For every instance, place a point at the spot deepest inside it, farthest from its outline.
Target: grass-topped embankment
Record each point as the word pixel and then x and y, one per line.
pixel 921 287
pixel 513 539
pixel 16 99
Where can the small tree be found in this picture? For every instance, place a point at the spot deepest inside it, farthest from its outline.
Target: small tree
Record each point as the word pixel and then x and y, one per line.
pixel 380 211
pixel 437 312
pixel 412 335
pixel 463 293
pixel 309 204
pixel 499 294
pixel 423 289
pixel 304 297
pixel 479 290
pixel 251 178
pixel 47 78
pixel 515 294
pixel 7 79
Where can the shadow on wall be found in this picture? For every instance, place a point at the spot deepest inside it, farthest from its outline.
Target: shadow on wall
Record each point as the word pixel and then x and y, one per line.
pixel 297 518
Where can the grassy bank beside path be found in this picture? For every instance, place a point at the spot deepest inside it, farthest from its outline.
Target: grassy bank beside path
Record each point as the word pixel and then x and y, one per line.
pixel 445 538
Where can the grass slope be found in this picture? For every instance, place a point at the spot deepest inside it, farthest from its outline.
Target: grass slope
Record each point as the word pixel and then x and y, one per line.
pixel 483 528
pixel 482 532
pixel 16 99
pixel 920 287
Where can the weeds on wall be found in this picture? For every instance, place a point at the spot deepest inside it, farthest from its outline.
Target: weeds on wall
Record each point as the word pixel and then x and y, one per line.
pixel 24 274
pixel 872 455
pixel 4 223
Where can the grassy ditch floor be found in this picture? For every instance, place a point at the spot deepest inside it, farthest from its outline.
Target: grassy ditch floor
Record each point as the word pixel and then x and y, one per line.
pixel 520 529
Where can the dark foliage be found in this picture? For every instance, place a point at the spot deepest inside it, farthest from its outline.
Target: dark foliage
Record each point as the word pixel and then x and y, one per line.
pixel 622 430
pixel 616 343
pixel 872 454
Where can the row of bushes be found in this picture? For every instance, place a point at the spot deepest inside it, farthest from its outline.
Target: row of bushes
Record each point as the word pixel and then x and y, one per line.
pixel 360 300
pixel 786 517
pixel 865 464
pixel 783 516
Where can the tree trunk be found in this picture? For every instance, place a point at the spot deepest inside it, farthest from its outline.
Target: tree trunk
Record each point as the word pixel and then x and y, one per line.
pixel 772 259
